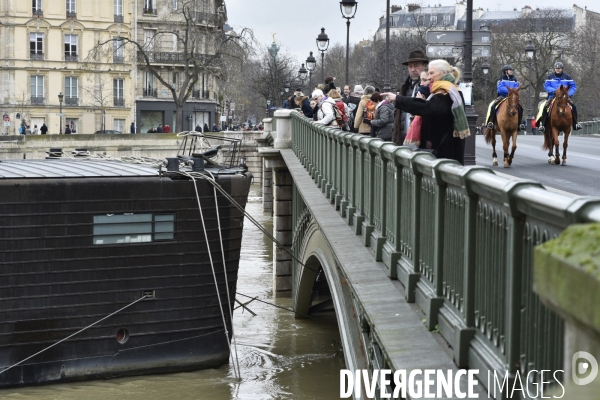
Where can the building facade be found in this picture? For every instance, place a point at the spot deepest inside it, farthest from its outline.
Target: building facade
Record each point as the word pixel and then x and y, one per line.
pixel 48 75
pixel 44 55
pixel 162 27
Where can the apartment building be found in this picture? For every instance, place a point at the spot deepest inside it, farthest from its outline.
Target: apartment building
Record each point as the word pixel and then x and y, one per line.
pixel 161 28
pixel 47 75
pixel 43 60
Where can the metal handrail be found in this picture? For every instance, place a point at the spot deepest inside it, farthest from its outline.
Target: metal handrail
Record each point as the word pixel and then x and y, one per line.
pixel 461 238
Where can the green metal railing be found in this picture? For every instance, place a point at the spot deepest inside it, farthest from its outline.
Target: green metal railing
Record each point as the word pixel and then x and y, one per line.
pixel 460 240
pixel 589 128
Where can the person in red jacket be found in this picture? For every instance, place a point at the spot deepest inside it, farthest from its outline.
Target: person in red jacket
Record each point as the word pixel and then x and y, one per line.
pixel 533 127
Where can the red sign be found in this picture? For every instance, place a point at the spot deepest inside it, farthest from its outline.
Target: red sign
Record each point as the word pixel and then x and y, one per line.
pixel 7 118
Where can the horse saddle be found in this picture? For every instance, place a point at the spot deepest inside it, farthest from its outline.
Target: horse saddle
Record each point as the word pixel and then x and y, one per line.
pixel 552 105
pixel 498 105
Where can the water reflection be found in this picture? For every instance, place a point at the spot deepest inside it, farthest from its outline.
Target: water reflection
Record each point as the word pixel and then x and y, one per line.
pixel 280 357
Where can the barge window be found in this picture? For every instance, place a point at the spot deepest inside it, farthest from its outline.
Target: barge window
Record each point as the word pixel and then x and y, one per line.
pixel 133 228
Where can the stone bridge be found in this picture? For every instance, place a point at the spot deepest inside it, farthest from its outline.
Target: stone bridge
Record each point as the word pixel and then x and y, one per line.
pixel 427 264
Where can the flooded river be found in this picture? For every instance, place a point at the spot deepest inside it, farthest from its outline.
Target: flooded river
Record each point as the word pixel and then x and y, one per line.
pixel 280 357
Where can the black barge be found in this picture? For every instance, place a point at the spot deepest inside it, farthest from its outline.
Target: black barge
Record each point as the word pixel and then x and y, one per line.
pixel 81 239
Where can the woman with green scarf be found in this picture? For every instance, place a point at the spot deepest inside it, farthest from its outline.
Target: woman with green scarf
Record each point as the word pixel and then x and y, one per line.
pixel 444 123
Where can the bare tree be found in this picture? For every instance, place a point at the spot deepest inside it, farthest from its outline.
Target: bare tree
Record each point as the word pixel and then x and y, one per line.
pixel 23 107
pixel 371 60
pixel 191 40
pixel 268 75
pixel 582 63
pixel 99 90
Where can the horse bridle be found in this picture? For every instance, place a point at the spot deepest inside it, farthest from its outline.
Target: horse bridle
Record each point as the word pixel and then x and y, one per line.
pixel 512 108
pixel 562 110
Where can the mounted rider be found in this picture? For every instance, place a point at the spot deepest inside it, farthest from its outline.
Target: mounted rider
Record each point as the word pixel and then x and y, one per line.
pixel 553 82
pixel 507 80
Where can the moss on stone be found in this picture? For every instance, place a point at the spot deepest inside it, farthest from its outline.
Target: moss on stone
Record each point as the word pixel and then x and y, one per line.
pixel 579 245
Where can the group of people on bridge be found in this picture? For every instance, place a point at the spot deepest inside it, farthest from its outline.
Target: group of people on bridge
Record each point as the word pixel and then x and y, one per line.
pixel 427 112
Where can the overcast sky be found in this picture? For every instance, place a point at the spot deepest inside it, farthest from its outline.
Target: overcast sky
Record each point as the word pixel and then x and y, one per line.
pixel 298 22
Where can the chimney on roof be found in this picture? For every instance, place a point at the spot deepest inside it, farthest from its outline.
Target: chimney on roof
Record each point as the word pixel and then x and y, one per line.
pixel 526 10
pixel 412 7
pixel 395 8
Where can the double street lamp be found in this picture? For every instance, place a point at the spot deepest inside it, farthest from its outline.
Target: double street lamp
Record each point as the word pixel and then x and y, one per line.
pixel 322 45
pixel 60 101
pixel 348 9
pixel 311 63
pixel 530 52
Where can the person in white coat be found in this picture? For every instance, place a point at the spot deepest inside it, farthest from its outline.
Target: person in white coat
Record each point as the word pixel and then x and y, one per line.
pixel 326 113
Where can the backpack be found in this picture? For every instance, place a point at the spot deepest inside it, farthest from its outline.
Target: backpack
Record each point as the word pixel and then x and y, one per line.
pixel 341 115
pixel 369 110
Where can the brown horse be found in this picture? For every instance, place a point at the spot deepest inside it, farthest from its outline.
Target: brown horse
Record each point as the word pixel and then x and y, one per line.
pixel 507 122
pixel 560 120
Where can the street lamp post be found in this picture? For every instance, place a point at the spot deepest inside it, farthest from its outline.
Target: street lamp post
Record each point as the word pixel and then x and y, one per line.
pixel 286 86
pixel 60 101
pixel 469 158
pixel 348 9
pixel 311 63
pixel 302 72
pixel 269 108
pixel 323 45
pixel 387 87
pixel 485 68
pixel 530 51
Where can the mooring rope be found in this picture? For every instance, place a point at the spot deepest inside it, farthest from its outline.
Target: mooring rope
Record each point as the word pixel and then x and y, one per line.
pixel 76 333
pixel 250 218
pixel 236 359
pixel 213 269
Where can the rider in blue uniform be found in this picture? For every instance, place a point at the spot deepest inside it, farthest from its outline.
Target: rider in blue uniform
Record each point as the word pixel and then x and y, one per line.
pixel 507 80
pixel 553 82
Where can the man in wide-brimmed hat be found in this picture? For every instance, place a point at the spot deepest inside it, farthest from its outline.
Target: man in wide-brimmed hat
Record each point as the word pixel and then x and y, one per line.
pixel 416 63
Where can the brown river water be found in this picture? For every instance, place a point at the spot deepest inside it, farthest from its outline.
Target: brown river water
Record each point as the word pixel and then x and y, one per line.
pixel 280 357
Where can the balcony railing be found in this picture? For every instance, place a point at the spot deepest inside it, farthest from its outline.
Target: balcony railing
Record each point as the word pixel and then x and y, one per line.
pixel 150 93
pixel 205 18
pixel 118 18
pixel 36 56
pixel 119 101
pixel 149 11
pixel 71 57
pixel 199 94
pixel 71 101
pixel 118 59
pixel 38 12
pixel 71 14
pixel 37 100
pixel 168 57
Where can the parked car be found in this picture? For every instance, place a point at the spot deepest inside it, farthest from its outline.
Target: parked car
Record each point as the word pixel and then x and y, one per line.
pixel 109 132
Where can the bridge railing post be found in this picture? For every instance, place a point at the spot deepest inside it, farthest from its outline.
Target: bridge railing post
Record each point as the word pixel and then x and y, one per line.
pixel 352 147
pixel 392 249
pixel 370 155
pixel 429 289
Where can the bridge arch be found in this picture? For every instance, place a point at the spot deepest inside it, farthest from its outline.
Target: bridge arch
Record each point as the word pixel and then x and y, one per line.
pixel 318 258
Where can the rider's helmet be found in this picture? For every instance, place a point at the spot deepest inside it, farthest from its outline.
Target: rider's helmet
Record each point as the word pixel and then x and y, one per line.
pixel 558 65
pixel 507 67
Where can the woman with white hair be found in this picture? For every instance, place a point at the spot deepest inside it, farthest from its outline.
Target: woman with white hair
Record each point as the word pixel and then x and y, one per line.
pixel 444 123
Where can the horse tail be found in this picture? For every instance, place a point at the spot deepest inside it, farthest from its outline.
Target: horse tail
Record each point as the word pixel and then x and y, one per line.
pixel 489 135
pixel 548 139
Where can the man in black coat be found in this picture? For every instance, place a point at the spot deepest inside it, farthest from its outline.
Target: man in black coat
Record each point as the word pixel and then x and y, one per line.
pixel 416 63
